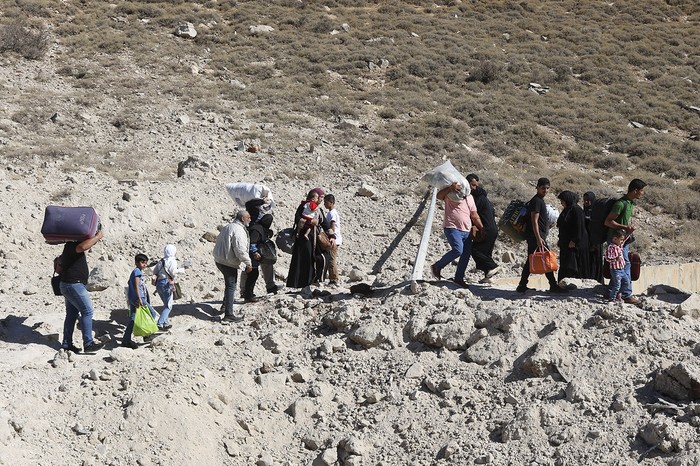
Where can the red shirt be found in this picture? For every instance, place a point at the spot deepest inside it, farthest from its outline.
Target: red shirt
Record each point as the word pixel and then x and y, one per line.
pixel 613 254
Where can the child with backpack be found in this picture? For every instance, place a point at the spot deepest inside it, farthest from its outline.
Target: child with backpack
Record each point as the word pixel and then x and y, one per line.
pixel 616 260
pixel 138 296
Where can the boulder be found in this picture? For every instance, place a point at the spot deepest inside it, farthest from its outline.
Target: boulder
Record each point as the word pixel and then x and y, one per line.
pixel 186 30
pixel 680 382
pixel 690 307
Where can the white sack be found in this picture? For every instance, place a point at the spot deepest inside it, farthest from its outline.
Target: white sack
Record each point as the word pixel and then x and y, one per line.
pixel 444 175
pixel 244 192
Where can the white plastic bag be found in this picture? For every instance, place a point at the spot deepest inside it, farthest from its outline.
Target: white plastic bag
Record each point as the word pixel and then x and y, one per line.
pixel 446 174
pixel 244 192
pixel 552 215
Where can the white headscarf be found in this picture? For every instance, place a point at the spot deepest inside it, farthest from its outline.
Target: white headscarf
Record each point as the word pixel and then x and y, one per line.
pixel 169 268
pixel 169 251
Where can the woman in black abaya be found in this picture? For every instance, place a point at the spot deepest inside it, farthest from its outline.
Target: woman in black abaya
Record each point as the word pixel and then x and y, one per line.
pixel 309 261
pixel 573 238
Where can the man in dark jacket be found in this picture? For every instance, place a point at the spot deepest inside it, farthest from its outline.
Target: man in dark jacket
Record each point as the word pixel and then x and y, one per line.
pixel 536 230
pixel 485 239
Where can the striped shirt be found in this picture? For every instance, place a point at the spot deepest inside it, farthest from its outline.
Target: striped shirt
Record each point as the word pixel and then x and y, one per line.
pixel 613 254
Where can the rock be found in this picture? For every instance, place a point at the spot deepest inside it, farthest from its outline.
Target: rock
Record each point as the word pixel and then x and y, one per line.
pixel 550 354
pixel 102 277
pixel 578 391
pixel 265 460
pixel 372 334
pixel 367 190
pixel 183 119
pixel 680 381
pixel 452 335
pixel 416 371
pixel 186 30
pixel 210 236
pixel 690 307
pixel 356 275
pixel 449 450
pixel 191 163
pixel 666 435
pixel 302 410
pixel 260 29
pixel 527 424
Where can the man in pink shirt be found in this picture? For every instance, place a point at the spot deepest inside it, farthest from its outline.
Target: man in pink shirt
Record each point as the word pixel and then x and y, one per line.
pixel 460 212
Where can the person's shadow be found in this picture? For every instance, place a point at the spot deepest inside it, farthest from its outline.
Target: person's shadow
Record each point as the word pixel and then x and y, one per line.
pixel 13 329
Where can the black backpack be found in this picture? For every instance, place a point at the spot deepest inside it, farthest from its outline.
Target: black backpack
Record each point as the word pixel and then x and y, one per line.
pixel 600 210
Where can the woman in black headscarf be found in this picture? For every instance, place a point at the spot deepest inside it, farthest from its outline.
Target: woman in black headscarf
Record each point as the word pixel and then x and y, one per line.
pixel 595 257
pixel 309 261
pixel 573 238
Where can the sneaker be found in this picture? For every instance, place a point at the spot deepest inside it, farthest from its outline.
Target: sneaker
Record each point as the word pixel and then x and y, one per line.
pixel 251 299
pixel 273 289
pixel 632 300
pixel 232 318
pixel 461 283
pixel 166 326
pixel 523 289
pixel 435 271
pixel 557 289
pixel 493 272
pixel 71 348
pixel 129 344
pixel 92 347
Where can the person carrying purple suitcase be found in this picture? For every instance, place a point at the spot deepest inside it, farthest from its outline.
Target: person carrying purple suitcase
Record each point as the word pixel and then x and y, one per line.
pixel 74 278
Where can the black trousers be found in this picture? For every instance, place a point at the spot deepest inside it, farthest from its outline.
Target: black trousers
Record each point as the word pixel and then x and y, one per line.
pixel 482 252
pixel 525 276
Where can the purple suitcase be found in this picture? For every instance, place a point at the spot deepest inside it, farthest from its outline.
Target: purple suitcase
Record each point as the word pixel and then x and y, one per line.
pixel 63 224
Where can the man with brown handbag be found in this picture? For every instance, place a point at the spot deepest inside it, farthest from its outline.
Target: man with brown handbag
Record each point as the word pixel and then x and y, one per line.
pixel 536 230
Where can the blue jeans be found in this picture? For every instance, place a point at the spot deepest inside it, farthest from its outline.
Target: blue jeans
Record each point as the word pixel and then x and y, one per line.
pixel 166 295
pixel 626 287
pixel 618 281
pixel 78 306
pixel 461 244
pixel 230 280
pixel 132 315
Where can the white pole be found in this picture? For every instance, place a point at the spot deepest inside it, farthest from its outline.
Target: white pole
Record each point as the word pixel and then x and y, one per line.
pixel 423 247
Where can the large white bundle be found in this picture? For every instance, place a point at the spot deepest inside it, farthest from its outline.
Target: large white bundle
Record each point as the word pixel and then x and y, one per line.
pixel 552 215
pixel 244 192
pixel 446 174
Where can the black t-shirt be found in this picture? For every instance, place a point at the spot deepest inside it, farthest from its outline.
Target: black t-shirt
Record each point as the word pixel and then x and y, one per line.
pixel 537 204
pixel 74 265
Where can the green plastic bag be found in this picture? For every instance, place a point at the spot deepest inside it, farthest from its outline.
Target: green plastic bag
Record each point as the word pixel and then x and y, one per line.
pixel 144 323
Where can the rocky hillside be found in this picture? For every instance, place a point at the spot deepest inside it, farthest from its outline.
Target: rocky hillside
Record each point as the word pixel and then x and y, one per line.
pixel 319 376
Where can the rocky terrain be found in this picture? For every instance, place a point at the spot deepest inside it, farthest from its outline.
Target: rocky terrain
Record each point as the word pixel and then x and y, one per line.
pixel 318 376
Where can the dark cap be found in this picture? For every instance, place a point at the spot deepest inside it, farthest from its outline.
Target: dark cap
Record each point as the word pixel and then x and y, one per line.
pixel 543 182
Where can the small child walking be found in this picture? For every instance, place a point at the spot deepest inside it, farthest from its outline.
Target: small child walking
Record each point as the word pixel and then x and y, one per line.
pixel 333 219
pixel 138 296
pixel 311 212
pixel 614 257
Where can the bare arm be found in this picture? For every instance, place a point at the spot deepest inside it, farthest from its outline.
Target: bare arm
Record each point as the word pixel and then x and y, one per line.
pixel 454 188
pixel 88 243
pixel 476 220
pixel 611 222
pixel 534 218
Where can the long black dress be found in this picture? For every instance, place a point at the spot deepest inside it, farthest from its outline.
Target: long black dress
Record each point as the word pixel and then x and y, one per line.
pixel 482 248
pixel 309 263
pixel 573 262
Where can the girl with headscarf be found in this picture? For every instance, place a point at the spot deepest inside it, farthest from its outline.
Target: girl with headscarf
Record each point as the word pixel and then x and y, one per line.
pixel 573 238
pixel 165 271
pixel 309 262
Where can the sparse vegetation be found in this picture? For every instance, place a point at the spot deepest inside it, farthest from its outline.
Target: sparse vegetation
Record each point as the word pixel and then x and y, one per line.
pixel 23 39
pixel 452 72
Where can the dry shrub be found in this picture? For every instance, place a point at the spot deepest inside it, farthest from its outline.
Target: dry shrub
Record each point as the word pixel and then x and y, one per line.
pixel 25 40
pixel 485 72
